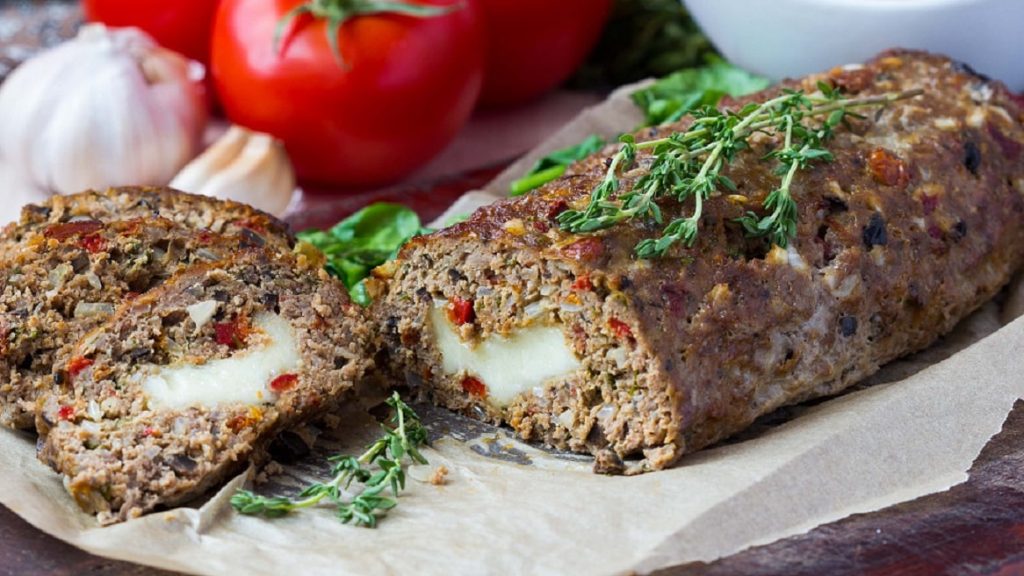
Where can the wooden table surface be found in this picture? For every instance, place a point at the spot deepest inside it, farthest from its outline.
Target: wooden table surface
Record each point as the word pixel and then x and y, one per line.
pixel 974 528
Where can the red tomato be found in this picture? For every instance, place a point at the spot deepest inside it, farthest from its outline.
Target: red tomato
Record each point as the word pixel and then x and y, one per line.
pixel 183 25
pixel 534 45
pixel 408 85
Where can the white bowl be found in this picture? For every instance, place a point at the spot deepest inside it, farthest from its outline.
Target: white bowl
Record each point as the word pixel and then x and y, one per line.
pixel 791 38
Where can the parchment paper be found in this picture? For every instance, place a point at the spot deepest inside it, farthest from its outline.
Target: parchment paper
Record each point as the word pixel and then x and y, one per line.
pixel 508 508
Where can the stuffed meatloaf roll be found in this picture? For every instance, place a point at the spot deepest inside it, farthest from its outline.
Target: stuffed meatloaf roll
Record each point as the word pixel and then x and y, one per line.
pixel 66 273
pixel 576 342
pixel 190 381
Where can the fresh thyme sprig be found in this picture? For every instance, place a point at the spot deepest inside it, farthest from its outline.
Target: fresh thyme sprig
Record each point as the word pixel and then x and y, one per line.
pixel 689 165
pixel 403 436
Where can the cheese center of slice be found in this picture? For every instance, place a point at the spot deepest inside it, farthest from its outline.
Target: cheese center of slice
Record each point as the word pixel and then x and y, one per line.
pixel 506 366
pixel 243 378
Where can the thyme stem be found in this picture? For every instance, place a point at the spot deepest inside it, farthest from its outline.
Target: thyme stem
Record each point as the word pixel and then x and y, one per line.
pixel 718 136
pixel 763 120
pixel 402 439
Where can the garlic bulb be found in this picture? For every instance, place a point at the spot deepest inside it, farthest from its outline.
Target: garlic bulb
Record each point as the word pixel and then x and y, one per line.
pixel 16 193
pixel 107 108
pixel 245 166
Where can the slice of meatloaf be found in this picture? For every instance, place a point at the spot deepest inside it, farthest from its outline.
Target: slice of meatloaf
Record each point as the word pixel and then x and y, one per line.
pixel 69 260
pixel 190 381
pixel 126 203
pixel 63 279
pixel 575 342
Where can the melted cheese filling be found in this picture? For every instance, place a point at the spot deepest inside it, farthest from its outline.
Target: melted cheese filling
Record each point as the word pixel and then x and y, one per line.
pixel 243 378
pixel 506 366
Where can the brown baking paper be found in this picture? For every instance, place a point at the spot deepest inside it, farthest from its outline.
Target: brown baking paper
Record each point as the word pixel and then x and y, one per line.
pixel 508 508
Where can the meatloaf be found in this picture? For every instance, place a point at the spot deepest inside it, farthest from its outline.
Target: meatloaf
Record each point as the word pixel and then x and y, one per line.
pixel 578 344
pixel 190 381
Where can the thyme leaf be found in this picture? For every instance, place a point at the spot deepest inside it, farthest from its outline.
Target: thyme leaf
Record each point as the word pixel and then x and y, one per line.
pixel 380 469
pixel 687 166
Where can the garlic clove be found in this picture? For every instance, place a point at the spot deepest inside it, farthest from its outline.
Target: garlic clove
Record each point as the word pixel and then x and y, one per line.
pixel 216 158
pixel 244 166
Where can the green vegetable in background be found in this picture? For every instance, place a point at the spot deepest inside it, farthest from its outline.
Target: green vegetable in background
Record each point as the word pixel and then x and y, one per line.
pixel 554 165
pixel 670 98
pixel 363 241
pixel 667 100
pixel 643 39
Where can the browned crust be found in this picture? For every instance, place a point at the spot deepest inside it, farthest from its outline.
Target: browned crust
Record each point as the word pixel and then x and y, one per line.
pixel 127 202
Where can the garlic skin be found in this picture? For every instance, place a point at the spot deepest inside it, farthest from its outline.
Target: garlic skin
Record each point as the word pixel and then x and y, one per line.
pixel 244 166
pixel 108 108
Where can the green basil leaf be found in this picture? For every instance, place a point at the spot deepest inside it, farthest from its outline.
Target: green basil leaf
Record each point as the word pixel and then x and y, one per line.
pixel 381 226
pixel 364 240
pixel 570 154
pixel 553 165
pixel 670 98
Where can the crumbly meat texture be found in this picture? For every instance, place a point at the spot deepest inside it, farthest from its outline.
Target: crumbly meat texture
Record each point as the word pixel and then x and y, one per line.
pixel 915 223
pixel 129 202
pixel 123 449
pixel 62 279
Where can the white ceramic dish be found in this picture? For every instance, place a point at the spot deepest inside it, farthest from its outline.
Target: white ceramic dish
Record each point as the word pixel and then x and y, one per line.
pixel 790 38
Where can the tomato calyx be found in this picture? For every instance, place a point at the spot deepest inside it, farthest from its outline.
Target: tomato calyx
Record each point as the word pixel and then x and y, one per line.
pixel 337 12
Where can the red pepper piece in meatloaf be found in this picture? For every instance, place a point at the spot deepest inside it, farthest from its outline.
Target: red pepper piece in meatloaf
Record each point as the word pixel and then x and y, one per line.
pixel 576 343
pixel 192 380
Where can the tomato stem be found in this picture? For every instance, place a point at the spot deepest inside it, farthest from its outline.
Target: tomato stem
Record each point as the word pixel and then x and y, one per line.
pixel 337 12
